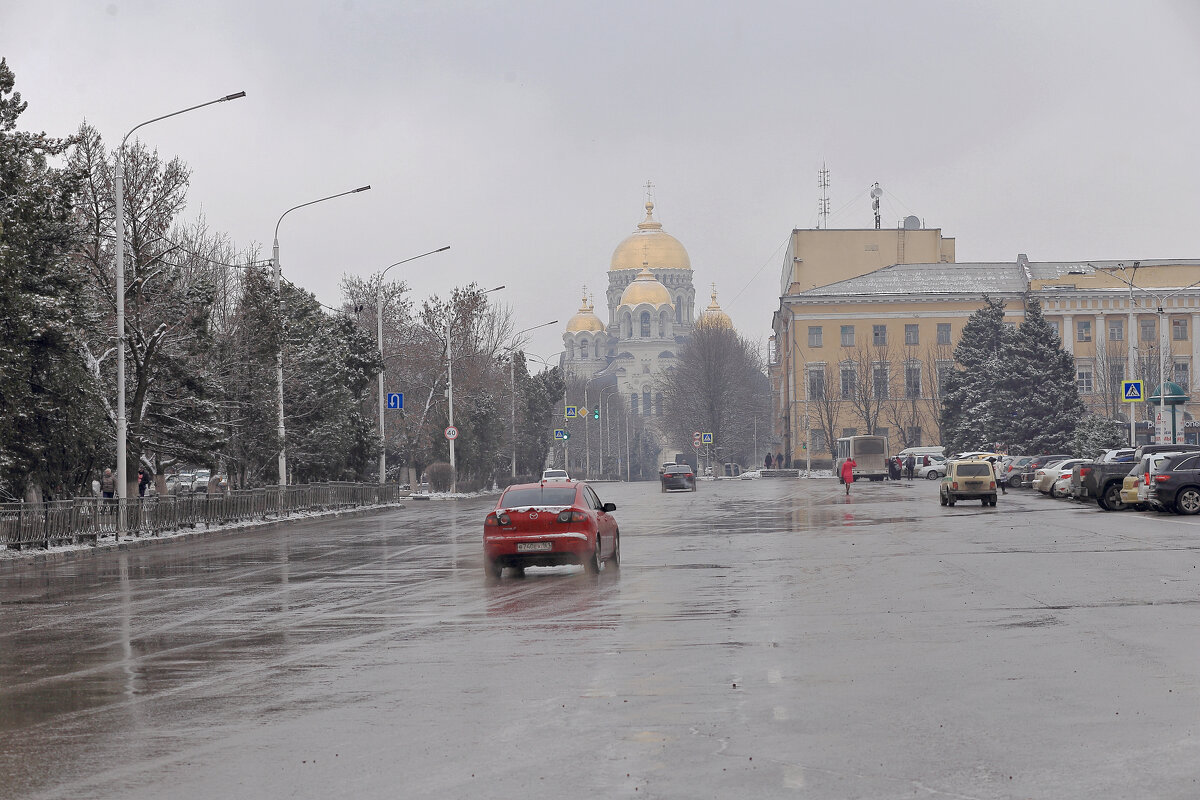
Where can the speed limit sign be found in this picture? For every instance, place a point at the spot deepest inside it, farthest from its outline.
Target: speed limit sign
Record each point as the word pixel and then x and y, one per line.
pixel 452 432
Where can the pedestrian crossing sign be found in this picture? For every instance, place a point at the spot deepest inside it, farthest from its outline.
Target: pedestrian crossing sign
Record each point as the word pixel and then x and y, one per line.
pixel 1132 391
pixel 559 433
pixel 571 412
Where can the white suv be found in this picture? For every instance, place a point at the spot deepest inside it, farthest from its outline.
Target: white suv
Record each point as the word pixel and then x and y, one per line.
pixel 556 476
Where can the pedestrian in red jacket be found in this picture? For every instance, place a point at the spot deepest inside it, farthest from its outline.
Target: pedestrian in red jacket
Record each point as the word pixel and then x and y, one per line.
pixel 848 472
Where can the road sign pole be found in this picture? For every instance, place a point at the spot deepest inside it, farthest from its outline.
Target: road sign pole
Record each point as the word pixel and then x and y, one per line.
pixel 1132 428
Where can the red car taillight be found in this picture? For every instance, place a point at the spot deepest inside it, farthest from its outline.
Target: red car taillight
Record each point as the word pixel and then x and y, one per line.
pixel 495 519
pixel 1162 478
pixel 689 475
pixel 993 486
pixel 1084 471
pixel 571 515
pixel 954 485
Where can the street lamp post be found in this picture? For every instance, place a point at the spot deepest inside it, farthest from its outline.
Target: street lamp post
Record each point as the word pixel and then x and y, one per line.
pixel 587 470
pixel 278 274
pixel 450 394
pixel 119 222
pixel 604 424
pixel 379 340
pixel 512 377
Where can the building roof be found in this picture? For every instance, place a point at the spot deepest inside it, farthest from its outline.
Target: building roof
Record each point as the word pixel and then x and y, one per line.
pixel 585 318
pixel 977 278
pixel 650 246
pixel 645 288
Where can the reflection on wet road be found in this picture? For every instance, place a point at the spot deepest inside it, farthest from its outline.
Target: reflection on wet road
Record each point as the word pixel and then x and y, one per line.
pixel 762 639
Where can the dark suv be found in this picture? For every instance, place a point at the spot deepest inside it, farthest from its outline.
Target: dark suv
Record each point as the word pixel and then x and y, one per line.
pixel 1176 486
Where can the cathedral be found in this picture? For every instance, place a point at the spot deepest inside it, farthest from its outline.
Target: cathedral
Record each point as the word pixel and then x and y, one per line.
pixel 651 314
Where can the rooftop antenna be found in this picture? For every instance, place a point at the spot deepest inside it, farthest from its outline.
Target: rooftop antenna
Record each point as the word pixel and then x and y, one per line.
pixel 823 203
pixel 876 193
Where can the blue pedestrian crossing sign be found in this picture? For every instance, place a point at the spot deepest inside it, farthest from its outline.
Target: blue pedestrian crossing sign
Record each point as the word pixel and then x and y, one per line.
pixel 395 400
pixel 559 433
pixel 706 438
pixel 1132 391
pixel 571 412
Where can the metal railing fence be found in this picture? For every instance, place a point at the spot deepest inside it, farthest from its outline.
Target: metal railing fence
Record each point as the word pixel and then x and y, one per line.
pixel 88 520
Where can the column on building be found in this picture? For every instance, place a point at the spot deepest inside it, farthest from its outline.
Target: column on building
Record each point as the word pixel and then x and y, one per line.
pixel 1068 334
pixel 1195 349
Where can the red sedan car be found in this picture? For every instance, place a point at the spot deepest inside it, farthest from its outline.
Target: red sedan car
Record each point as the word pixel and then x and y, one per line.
pixel 547 524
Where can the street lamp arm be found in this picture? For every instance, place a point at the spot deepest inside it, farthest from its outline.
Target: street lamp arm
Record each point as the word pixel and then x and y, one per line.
pixel 414 258
pixel 234 96
pixel 312 202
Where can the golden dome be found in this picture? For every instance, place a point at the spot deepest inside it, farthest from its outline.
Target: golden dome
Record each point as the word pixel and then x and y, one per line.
pixel 713 315
pixel 585 319
pixel 645 288
pixel 650 246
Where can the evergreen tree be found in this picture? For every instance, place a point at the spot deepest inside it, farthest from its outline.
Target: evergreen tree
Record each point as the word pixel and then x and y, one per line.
pixel 977 408
pixel 1094 434
pixel 52 431
pixel 1041 387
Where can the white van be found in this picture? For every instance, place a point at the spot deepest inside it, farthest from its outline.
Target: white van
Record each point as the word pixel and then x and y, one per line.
pixel 921 451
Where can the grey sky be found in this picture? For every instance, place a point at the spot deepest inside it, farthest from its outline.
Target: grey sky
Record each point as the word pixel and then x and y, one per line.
pixel 521 133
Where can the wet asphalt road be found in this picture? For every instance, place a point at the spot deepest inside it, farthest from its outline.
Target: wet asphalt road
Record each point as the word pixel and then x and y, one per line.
pixel 762 639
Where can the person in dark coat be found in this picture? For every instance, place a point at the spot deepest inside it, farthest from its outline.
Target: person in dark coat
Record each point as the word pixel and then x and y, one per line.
pixel 893 469
pixel 143 482
pixel 108 484
pixel 767 462
pixel 910 464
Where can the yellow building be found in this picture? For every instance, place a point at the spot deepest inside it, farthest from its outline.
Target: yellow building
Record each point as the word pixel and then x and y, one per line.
pixel 862 353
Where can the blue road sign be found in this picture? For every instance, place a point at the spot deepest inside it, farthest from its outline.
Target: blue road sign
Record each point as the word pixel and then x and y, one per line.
pixel 571 412
pixel 706 438
pixel 559 433
pixel 395 400
pixel 1132 391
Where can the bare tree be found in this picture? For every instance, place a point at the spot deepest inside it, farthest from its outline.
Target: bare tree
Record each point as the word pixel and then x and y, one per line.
pixel 871 366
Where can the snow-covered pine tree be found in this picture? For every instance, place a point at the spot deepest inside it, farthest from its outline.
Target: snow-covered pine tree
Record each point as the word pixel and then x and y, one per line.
pixel 52 431
pixel 974 412
pixel 1041 385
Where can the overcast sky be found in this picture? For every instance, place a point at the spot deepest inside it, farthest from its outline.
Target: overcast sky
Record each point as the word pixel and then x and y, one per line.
pixel 521 133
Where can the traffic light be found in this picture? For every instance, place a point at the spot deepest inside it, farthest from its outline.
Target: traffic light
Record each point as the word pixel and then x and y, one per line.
pixel 566 435
pixel 596 412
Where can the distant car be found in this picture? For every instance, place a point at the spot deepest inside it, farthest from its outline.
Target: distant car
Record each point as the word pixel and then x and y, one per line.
pixel 548 524
pixel 935 469
pixel 1029 471
pixel 200 484
pixel 556 475
pixel 971 479
pixel 1044 478
pixel 663 468
pixel 678 476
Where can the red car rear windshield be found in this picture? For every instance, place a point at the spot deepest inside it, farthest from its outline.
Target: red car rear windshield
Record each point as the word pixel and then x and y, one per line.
pixel 538 496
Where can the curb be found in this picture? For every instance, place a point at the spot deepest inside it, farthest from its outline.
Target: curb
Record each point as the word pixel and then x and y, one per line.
pixel 45 556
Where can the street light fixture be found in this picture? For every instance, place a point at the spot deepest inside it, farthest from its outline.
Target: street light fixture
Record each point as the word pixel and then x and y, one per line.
pixel 450 394
pixel 279 352
pixel 512 376
pixel 119 221
pixel 379 340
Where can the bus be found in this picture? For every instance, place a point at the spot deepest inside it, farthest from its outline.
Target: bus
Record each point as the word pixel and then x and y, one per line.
pixel 869 452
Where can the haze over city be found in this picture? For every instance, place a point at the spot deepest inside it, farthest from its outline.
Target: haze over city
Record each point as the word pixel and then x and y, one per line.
pixel 522 134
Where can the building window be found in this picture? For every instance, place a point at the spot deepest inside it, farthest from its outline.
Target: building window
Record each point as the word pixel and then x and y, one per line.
pixel 1146 330
pixel 881 431
pixel 646 409
pixel 1179 330
pixel 849 432
pixel 570 352
pixel 633 403
pixel 847 336
pixel 645 324
pixel 1057 327
pixel 583 349
pixel 814 335
pixel 912 380
pixel 943 371
pixel 1182 374
pixel 658 403
pixel 816 382
pixel 1083 330
pixel 1116 329
pixel 879 335
pixel 1084 379
pixel 879 373
pixel 913 437
pixel 912 335
pixel 679 310
pixel 943 333
pixel 819 444
pixel 849 382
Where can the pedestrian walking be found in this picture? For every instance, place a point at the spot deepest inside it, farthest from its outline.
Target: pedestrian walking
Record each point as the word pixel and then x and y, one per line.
pixel 108 484
pixel 848 472
pixel 996 472
pixel 910 465
pixel 893 469
pixel 143 481
pixel 767 461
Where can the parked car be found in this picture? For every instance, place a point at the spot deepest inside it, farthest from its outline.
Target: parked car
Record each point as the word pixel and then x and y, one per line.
pixel 548 524
pixel 1175 485
pixel 1129 489
pixel 1102 479
pixel 555 475
pixel 1153 464
pixel 678 476
pixel 200 484
pixel 935 469
pixel 186 479
pixel 1011 469
pixel 970 479
pixel 1045 477
pixel 1030 470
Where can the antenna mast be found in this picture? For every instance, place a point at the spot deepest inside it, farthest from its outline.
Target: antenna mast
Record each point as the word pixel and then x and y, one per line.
pixel 876 193
pixel 823 203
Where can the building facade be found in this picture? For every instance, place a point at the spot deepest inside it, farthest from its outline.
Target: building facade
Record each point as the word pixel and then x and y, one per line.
pixel 866 353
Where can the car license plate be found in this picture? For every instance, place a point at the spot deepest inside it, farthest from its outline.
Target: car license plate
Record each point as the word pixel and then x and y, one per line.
pixel 974 484
pixel 534 547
